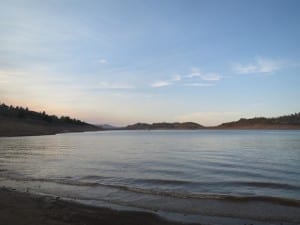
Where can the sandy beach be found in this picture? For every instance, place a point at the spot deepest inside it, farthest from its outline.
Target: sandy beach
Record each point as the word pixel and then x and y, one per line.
pixel 23 209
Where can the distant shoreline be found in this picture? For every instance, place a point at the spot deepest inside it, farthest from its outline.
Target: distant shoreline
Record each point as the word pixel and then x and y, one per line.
pixel 290 122
pixel 42 132
pixel 12 127
pixel 258 127
pixel 219 128
pixel 81 130
pixel 45 133
pixel 19 121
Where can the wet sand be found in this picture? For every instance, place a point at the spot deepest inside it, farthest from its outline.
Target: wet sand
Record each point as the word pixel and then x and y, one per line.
pixel 26 209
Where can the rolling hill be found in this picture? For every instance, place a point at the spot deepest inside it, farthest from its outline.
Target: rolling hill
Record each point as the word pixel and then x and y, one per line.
pixel 19 121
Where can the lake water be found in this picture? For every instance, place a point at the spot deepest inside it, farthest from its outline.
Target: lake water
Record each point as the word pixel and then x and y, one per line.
pixel 210 176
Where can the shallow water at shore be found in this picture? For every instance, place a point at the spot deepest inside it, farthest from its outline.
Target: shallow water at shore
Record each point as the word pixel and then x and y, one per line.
pixel 248 175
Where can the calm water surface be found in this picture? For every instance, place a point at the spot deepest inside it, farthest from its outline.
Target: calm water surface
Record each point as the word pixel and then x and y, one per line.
pixel 246 175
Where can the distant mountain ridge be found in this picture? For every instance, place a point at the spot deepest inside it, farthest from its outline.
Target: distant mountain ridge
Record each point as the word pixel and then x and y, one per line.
pixel 19 121
pixel 282 122
pixel 108 126
pixel 164 125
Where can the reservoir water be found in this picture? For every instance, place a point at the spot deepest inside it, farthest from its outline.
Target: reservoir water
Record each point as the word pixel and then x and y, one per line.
pixel 207 176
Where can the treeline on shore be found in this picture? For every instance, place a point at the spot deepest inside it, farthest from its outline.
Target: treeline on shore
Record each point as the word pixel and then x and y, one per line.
pixel 20 121
pixel 292 120
pixel 24 113
pixel 164 125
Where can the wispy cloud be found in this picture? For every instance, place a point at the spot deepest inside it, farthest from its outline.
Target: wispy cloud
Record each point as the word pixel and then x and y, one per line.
pixel 211 77
pixel 11 73
pixel 102 61
pixel 177 77
pixel 259 65
pixel 194 78
pixel 106 85
pixel 162 83
pixel 199 84
pixel 195 73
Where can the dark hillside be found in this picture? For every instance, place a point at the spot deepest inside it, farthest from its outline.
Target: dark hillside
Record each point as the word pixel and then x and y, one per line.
pixel 164 125
pixel 19 121
pixel 283 122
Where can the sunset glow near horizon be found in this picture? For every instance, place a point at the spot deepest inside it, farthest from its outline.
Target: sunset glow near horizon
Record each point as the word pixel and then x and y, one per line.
pixel 121 62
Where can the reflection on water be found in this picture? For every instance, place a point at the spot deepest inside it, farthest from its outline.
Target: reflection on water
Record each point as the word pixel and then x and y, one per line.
pixel 192 172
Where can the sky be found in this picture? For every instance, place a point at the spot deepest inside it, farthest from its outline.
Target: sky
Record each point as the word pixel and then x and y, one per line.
pixel 127 61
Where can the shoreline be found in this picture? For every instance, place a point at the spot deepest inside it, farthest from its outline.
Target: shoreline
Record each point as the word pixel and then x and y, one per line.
pixel 14 127
pixel 36 208
pixel 42 131
pixel 46 133
pixel 96 130
pixel 18 208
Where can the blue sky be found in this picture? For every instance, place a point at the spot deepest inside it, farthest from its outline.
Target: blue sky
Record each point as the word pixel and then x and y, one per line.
pixel 120 62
